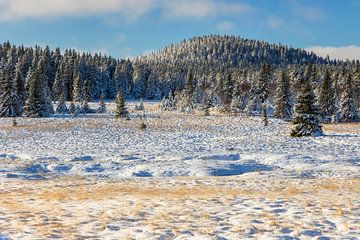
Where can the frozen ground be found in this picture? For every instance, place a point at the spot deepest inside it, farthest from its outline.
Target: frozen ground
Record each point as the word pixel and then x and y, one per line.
pixel 94 176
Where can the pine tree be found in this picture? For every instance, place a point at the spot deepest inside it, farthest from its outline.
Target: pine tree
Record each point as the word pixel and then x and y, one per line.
pixel 228 88
pixel 102 105
pixel 265 117
pixel 306 121
pixel 327 96
pixel 85 108
pixel 37 102
pixel 189 84
pixel 208 105
pixel 72 108
pixel 121 110
pixel 10 102
pixel 263 82
pixel 283 97
pixel 78 91
pixel 20 84
pixel 357 84
pixel 61 107
pixel 152 89
pixel 348 111
pixel 236 99
pixel 59 89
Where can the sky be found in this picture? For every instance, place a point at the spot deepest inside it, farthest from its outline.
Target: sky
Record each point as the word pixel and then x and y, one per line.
pixel 128 28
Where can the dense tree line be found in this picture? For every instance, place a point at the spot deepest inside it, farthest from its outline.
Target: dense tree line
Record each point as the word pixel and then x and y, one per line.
pixel 234 74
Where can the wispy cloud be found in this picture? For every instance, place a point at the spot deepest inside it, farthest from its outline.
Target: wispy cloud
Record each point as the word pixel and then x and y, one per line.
pixel 308 12
pixel 131 9
pixel 202 8
pixel 225 26
pixel 18 9
pixel 343 52
pixel 274 22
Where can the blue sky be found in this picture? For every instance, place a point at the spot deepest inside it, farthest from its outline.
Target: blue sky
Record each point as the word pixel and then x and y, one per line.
pixel 125 28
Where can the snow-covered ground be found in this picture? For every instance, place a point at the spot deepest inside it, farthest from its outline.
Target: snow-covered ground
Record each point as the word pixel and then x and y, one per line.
pixel 166 179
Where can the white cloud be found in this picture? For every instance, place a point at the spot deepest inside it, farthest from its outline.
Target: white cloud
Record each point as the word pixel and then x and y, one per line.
pixel 225 26
pixel 120 38
pixel 19 9
pixel 202 8
pixel 308 12
pixel 343 52
pixel 132 9
pixel 274 22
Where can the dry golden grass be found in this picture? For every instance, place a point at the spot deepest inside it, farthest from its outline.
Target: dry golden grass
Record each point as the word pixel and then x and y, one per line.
pixel 159 207
pixel 343 127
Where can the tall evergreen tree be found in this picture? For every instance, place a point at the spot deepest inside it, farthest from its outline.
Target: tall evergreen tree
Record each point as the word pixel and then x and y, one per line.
pixel 327 96
pixel 306 122
pixel 283 97
pixel 59 89
pixel 348 110
pixel 357 84
pixel 36 104
pixel 263 82
pixel 227 90
pixel 265 120
pixel 78 90
pixel 121 109
pixel 61 107
pixel 10 102
pixel 236 99
pixel 20 84
pixel 102 105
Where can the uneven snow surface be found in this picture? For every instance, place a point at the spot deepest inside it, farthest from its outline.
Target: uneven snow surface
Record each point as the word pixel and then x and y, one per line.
pixel 184 177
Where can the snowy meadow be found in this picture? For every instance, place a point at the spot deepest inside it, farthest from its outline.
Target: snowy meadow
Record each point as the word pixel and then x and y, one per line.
pixel 186 176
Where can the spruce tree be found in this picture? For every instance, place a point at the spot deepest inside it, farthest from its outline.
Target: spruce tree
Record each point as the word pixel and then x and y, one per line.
pixel 59 89
pixel 85 108
pixel 327 96
pixel 102 105
pixel 188 95
pixel 265 117
pixel 348 111
pixel 61 107
pixel 208 105
pixel 236 100
pixel 78 90
pixel 20 84
pixel 121 110
pixel 228 88
pixel 10 102
pixel 263 82
pixel 37 103
pixel 72 108
pixel 306 121
pixel 283 97
pixel 357 84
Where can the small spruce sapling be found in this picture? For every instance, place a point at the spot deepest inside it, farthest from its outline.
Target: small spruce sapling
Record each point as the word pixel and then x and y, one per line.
pixel 102 105
pixel 307 114
pixel 121 109
pixel 265 120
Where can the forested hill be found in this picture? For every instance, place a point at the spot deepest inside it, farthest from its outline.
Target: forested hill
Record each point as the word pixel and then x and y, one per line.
pixel 230 69
pixel 231 51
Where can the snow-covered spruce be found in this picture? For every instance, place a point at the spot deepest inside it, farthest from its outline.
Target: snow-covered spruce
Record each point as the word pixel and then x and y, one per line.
pixel 102 105
pixel 348 111
pixel 283 97
pixel 121 109
pixel 10 102
pixel 306 121
pixel 38 103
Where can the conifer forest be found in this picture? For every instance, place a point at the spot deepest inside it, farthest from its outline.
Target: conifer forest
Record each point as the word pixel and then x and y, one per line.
pixel 213 137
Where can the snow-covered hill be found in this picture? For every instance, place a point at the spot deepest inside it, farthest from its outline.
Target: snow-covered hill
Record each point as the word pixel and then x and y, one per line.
pixel 174 144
